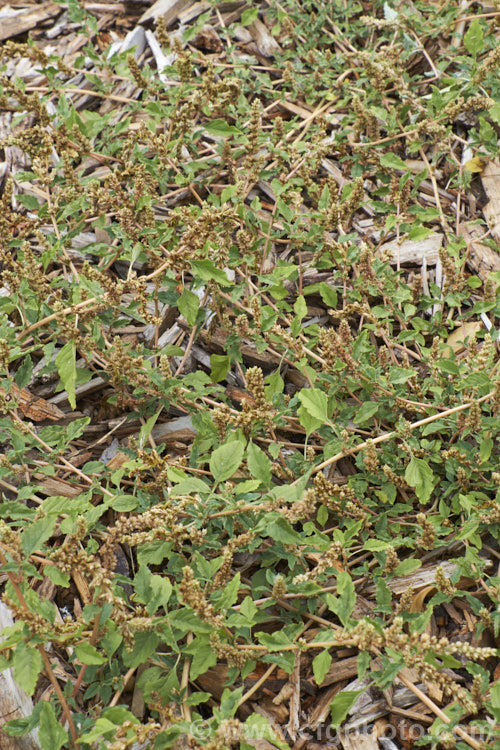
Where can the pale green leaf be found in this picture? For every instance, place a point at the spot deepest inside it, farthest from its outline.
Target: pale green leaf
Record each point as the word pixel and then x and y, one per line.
pixel 27 663
pixel 258 463
pixel 66 367
pixel 225 460
pixel 419 475
pixel 315 402
pixel 51 734
pixel 342 704
pixel 321 665
pixel 474 38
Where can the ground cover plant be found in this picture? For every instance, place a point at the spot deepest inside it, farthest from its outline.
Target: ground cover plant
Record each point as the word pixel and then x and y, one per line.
pixel 249 377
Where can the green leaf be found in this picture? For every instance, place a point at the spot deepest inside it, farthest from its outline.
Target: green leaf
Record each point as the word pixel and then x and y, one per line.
pixel 102 728
pixel 342 704
pixel 206 270
pixel 221 128
pixel 405 567
pixel 321 665
pixel 392 161
pixel 274 384
pixel 34 535
pixel 447 365
pixel 88 654
pixel 309 423
pixel 258 727
pixel 56 576
pixel 51 734
pixel 146 428
pixel 220 364
pixel 328 295
pixel 124 503
pixel 495 701
pixel 249 16
pixel 229 594
pixel 418 233
pixel 343 604
pixel 300 307
pixel 225 460
pixel 419 475
pixel 281 530
pixel 189 304
pixel 27 665
pixel 66 367
pixel 485 449
pixel 203 656
pixel 474 38
pixel 259 464
pixel 29 201
pixel 400 375
pixel 24 372
pixel 366 412
pixel 315 402
pixel 144 645
pixel 152 590
pixel 275 641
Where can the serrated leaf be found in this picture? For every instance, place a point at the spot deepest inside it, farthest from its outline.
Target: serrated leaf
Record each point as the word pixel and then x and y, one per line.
pixel 206 270
pixel 418 233
pixel 249 16
pixel 419 475
pixel 474 38
pixel 28 201
pixel 221 128
pixel 405 567
pixel 343 604
pixel 225 460
pixel 308 422
pixel 203 656
pixel 189 304
pixel 389 13
pixel 50 734
pixel 392 161
pixel 146 428
pixel 88 654
pixel 366 412
pixel 220 365
pixel 315 402
pixel 341 705
pixel 328 295
pixel 280 530
pixel 152 590
pixel 258 463
pixel 321 664
pixel 257 726
pixel 66 367
pixel 24 372
pixel 27 665
pixel 300 307
pixel 34 535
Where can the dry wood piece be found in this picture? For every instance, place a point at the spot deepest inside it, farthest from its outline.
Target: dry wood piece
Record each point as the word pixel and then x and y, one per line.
pixel 481 258
pixel 359 741
pixel 345 669
pixel 14 703
pixel 169 9
pixel 265 43
pixel 33 407
pixel 415 251
pixel 21 22
pixel 419 579
pixel 490 177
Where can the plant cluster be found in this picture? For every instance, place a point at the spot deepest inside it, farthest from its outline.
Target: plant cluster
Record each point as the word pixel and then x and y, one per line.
pixel 341 439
